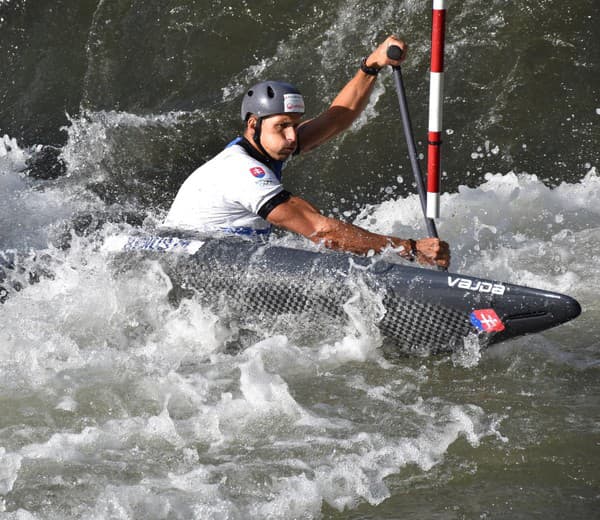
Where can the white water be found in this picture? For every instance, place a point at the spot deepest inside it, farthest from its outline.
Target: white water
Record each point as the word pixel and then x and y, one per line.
pixel 115 404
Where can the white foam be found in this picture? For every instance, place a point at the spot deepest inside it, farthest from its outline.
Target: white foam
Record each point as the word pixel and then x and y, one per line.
pixel 284 423
pixel 10 464
pixel 26 213
pixel 19 514
pixel 68 404
pixel 357 469
pixel 12 157
pixel 129 501
pixel 506 228
pixel 292 497
pixel 468 354
pixel 94 140
pixel 118 434
pixel 252 74
pixel 266 392
pixel 76 317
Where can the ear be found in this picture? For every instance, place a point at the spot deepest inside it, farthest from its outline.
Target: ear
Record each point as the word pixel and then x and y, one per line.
pixel 252 120
pixel 250 127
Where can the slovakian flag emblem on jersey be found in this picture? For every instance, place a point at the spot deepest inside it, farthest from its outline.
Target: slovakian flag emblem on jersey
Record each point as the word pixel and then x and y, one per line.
pixel 487 320
pixel 258 172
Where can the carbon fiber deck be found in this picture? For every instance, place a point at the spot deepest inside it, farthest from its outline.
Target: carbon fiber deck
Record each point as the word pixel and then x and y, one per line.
pixel 423 309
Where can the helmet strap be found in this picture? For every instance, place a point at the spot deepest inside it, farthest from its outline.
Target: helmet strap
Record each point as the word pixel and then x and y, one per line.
pixel 256 138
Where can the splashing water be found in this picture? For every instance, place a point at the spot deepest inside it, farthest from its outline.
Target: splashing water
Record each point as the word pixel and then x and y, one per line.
pixel 116 403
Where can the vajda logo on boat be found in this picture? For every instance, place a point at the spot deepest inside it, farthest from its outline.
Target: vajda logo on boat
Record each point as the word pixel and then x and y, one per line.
pixel 476 285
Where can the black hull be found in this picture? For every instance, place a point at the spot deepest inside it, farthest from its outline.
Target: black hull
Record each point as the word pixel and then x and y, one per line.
pixel 425 309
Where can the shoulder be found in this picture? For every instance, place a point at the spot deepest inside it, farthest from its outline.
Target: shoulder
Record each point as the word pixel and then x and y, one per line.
pixel 234 167
pixel 246 165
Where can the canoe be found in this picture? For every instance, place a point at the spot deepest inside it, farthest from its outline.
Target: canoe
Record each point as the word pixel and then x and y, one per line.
pixel 422 309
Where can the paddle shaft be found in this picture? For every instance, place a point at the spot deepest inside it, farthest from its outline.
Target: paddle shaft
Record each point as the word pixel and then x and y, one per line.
pixel 394 52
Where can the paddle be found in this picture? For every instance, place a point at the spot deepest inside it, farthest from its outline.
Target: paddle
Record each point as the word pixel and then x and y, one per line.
pixel 395 53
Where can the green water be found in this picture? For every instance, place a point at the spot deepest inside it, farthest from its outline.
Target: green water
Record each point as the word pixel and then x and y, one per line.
pixel 115 404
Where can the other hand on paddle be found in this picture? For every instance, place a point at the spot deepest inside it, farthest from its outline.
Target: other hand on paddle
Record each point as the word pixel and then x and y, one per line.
pixel 379 58
pixel 433 251
pixel 427 251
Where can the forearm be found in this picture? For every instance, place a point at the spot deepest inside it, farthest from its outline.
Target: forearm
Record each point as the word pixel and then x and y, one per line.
pixel 348 104
pixel 343 111
pixel 301 217
pixel 355 95
pixel 353 98
pixel 341 236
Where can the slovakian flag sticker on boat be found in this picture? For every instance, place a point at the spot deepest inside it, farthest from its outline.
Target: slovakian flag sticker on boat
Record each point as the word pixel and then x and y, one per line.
pixel 487 320
pixel 258 172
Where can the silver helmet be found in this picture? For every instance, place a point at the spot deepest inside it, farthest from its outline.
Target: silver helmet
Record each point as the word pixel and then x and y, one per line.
pixel 272 97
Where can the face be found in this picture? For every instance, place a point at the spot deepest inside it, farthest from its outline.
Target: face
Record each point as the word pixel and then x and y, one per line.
pixel 278 134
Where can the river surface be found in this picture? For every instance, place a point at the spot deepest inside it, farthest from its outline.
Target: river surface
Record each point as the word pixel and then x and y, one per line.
pixel 117 404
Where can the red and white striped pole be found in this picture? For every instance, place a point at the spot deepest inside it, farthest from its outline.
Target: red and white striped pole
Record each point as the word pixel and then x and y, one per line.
pixel 436 87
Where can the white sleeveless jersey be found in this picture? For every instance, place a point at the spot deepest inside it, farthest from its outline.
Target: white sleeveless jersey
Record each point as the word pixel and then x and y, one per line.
pixel 225 195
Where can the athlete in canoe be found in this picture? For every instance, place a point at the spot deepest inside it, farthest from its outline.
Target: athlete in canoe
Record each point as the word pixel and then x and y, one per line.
pixel 240 190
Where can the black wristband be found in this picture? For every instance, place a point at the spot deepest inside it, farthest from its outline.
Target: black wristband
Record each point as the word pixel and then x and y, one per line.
pixel 409 253
pixel 371 71
pixel 413 249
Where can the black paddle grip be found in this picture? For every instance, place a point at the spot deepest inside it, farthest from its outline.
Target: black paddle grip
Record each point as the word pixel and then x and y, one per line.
pixel 394 52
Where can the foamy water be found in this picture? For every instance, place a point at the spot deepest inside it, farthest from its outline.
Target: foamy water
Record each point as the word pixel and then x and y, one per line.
pixel 116 404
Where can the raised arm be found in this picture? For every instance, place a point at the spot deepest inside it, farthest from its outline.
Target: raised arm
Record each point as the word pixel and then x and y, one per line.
pixel 298 215
pixel 349 103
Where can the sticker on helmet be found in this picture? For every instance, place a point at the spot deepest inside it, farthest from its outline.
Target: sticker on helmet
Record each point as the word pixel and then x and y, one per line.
pixel 487 320
pixel 258 172
pixel 293 103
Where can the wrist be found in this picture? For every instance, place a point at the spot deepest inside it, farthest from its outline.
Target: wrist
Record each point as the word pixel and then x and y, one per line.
pixel 406 248
pixel 370 70
pixel 410 249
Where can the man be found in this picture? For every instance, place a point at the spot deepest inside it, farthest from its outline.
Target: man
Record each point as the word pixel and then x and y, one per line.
pixel 240 191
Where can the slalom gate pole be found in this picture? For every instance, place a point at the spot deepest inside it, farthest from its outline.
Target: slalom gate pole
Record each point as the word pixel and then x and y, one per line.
pixel 436 87
pixel 395 53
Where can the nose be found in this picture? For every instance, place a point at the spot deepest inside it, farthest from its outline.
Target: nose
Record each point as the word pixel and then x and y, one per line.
pixel 290 134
